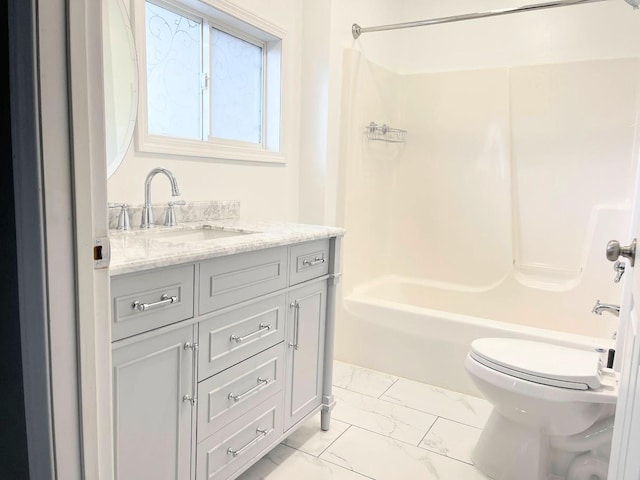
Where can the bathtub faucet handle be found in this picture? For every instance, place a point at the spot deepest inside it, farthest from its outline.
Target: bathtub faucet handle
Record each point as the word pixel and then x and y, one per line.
pixel 619 267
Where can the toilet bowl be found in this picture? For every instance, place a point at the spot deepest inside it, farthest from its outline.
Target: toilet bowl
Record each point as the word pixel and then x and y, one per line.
pixel 553 410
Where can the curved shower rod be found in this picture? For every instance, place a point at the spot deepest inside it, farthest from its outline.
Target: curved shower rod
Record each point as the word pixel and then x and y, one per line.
pixel 357 30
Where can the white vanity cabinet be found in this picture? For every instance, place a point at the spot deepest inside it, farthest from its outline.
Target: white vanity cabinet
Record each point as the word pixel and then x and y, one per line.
pixel 226 363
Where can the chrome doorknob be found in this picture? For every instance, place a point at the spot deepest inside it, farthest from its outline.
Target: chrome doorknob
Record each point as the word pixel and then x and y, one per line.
pixel 614 251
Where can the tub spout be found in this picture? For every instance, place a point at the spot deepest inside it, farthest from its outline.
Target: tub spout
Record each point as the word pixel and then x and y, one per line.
pixel 598 308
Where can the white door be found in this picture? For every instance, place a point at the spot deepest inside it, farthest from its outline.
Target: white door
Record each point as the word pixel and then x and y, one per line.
pixel 625 461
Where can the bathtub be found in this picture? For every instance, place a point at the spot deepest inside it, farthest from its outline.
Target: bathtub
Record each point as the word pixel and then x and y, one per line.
pixel 418 330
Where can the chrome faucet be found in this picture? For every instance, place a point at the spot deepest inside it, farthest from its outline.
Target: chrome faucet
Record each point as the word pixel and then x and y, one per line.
pixel 598 308
pixel 147 212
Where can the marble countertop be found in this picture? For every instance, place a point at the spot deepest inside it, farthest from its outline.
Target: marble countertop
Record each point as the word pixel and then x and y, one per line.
pixel 135 250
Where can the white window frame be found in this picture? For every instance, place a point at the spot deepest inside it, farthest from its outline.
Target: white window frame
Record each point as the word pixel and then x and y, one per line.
pixel 247 26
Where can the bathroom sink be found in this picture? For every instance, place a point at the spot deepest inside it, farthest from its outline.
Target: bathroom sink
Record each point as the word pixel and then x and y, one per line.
pixel 194 235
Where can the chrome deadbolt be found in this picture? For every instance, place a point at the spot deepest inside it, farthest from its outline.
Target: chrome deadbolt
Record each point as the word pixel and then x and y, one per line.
pixel 614 251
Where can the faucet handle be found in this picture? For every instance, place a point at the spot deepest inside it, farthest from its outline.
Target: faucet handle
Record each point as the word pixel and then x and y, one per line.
pixel 619 268
pixel 170 220
pixel 123 217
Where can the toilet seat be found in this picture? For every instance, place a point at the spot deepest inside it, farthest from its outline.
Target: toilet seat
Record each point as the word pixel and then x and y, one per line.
pixel 539 362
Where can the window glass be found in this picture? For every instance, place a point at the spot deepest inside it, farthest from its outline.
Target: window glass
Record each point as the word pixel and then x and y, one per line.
pixel 174 66
pixel 236 88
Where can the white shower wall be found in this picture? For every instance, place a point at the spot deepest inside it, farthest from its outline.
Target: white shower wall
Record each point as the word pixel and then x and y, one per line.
pixel 513 166
pixel 505 170
pixel 453 208
pixel 573 130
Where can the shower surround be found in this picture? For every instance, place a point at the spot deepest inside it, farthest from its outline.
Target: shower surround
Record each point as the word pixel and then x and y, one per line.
pixel 491 219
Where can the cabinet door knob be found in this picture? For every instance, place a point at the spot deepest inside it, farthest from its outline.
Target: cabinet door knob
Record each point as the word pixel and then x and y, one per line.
pixel 191 346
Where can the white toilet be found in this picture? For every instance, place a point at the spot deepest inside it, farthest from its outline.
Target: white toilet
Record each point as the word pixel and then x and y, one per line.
pixel 552 413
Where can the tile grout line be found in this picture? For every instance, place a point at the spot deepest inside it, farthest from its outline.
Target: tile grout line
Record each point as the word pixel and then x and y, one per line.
pixel 412 445
pixel 355 391
pixel 340 466
pixel 424 411
pixel 461 423
pixel 447 456
pixel 428 430
pixel 377 372
pixel 389 388
pixel 406 406
pixel 347 469
pixel 335 439
pixel 411 408
pixel 335 464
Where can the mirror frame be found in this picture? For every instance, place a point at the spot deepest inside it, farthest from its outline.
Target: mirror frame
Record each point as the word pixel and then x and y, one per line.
pixel 123 146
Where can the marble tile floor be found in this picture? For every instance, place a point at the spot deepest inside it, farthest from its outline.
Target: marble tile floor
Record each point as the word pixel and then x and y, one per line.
pixel 383 428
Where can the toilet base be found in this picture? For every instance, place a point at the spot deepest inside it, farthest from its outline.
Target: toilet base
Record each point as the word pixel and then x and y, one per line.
pixel 507 450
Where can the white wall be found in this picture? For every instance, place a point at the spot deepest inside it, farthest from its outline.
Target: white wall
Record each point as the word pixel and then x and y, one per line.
pixel 266 191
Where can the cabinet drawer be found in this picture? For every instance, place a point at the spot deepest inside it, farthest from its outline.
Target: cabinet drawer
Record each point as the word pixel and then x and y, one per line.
pixel 228 338
pixel 232 393
pixel 233 279
pixel 144 301
pixel 232 447
pixel 308 260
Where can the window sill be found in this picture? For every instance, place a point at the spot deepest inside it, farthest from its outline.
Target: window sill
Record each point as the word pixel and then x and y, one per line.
pixel 207 150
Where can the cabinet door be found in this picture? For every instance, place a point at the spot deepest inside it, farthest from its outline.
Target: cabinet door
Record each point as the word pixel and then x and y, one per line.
pixel 151 421
pixel 305 350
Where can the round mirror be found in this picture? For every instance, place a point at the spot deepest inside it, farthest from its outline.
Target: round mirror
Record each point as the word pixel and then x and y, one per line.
pixel 120 82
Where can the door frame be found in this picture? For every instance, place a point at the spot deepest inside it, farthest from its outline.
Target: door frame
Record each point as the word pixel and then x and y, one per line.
pixel 89 180
pixel 57 120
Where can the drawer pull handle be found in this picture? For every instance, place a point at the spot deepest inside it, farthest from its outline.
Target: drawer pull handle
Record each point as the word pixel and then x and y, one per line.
pixel 261 434
pixel 237 398
pixel 261 327
pixel 164 300
pixel 311 263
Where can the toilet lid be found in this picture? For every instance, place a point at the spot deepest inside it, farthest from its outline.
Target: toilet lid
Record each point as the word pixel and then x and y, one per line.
pixel 540 362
